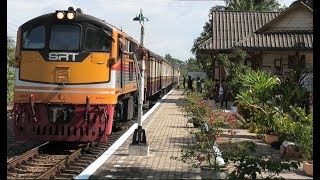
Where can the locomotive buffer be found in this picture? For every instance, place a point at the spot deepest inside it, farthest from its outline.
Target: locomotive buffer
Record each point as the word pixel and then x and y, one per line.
pixel 139 146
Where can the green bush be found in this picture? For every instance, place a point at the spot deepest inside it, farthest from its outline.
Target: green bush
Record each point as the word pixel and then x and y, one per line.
pixel 209 89
pixel 245 111
pixel 298 129
pixel 10 84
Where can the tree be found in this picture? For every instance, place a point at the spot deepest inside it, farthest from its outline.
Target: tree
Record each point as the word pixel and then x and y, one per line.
pixel 177 63
pixel 253 5
pixel 10 71
pixel 193 65
pixel 10 52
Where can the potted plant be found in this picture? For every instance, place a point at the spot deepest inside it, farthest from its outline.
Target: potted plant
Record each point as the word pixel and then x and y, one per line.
pixel 265 121
pixel 306 142
pixel 203 155
pixel 197 108
pixel 297 126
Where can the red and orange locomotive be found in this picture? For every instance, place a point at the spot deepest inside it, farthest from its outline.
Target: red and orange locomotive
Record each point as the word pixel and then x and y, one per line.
pixel 72 83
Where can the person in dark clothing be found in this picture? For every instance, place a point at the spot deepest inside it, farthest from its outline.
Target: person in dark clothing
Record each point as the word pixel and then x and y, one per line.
pixel 216 90
pixel 190 87
pixel 222 92
pixel 199 89
pixel 184 82
pixel 190 82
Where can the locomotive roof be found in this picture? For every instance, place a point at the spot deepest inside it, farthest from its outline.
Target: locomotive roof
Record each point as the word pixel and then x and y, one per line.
pixel 158 57
pixel 80 17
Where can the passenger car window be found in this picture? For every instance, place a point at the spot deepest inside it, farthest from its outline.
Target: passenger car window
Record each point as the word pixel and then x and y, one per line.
pixel 97 40
pixel 65 37
pixel 34 38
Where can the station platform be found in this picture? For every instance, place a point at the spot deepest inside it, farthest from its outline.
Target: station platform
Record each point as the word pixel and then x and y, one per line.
pixel 166 133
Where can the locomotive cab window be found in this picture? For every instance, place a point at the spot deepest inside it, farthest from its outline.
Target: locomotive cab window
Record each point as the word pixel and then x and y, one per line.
pixel 34 38
pixel 65 37
pixel 97 40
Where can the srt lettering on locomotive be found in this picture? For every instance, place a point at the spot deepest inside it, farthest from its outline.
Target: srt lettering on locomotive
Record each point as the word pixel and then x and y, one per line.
pixel 60 56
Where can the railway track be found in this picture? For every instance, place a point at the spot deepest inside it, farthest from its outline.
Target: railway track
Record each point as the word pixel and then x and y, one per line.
pixel 58 161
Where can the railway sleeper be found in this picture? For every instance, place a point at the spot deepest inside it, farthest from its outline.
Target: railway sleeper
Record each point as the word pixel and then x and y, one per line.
pixel 30 169
pixel 91 156
pixel 37 164
pixel 53 157
pixel 65 176
pixel 70 171
pixel 27 171
pixel 46 161
pixel 79 164
pixel 96 151
pixel 82 161
pixel 25 175
pixel 88 158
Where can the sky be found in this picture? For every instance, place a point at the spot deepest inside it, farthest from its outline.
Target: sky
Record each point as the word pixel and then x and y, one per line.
pixel 172 27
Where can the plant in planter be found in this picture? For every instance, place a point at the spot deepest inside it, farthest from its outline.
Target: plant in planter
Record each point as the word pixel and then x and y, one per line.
pixel 248 166
pixel 197 108
pixel 297 126
pixel 209 89
pixel 257 93
pixel 205 154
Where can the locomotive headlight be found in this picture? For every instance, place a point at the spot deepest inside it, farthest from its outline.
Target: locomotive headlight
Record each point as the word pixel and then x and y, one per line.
pixel 60 15
pixel 70 15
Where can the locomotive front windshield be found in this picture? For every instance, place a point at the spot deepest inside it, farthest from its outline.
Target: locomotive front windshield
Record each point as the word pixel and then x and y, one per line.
pixel 34 38
pixel 65 37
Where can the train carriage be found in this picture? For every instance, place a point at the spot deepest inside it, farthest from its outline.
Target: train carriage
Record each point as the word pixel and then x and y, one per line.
pixel 72 82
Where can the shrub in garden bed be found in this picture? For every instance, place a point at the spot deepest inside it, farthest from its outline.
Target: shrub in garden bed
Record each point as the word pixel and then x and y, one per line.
pixel 298 129
pixel 246 165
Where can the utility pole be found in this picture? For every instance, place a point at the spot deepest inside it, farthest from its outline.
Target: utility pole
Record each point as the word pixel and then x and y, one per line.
pixel 139 146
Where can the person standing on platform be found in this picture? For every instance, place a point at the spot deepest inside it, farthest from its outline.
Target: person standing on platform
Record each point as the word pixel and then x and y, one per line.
pixel 190 82
pixel 184 82
pixel 216 90
pixel 221 92
pixel 199 89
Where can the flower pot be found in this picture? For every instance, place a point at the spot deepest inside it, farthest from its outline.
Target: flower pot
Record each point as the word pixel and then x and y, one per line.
pixel 211 173
pixel 308 168
pixel 269 139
